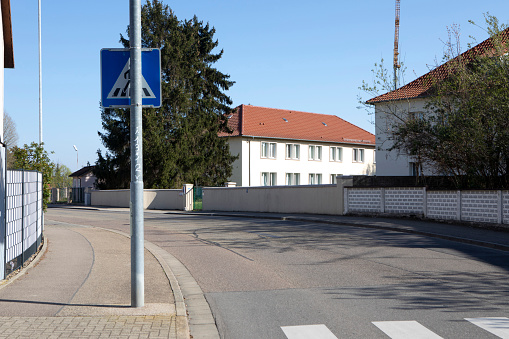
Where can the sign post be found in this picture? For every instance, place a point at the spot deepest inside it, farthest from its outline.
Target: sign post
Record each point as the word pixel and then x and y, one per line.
pixel 131 78
pixel 137 224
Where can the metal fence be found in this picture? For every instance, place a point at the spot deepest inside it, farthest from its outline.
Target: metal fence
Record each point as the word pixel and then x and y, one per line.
pixel 23 217
pixel 77 194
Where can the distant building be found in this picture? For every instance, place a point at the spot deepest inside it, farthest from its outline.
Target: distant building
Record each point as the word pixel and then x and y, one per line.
pixel 287 147
pixel 83 178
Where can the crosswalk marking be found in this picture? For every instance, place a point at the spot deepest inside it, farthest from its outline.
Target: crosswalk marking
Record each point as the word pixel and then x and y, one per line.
pixel 405 330
pixel 308 332
pixel 498 326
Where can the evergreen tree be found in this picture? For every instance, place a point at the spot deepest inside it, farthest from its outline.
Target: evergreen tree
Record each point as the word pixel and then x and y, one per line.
pixel 180 139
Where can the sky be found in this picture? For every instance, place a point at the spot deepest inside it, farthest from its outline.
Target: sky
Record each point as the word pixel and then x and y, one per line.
pixel 297 55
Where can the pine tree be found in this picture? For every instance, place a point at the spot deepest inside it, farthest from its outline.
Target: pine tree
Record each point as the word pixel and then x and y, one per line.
pixel 180 139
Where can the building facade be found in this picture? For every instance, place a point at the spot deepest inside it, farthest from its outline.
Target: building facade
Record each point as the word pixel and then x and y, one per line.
pixel 284 147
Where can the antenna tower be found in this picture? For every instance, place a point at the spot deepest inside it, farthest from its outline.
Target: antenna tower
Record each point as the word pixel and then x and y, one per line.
pixel 396 43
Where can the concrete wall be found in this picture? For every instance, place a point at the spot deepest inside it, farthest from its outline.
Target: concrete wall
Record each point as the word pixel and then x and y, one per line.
pixel 315 199
pixel 152 199
pixel 468 205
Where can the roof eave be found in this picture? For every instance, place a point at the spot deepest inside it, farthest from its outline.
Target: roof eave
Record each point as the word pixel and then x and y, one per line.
pixel 308 140
pixel 7 31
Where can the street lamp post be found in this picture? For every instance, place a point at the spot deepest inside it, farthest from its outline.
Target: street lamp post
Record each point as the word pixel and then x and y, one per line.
pixel 40 78
pixel 77 162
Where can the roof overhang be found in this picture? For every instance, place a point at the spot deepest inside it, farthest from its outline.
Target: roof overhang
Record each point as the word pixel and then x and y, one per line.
pixel 306 140
pixel 7 29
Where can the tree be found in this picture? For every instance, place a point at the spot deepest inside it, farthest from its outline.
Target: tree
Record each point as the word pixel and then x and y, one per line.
pixel 10 137
pixel 181 143
pixel 34 157
pixel 60 177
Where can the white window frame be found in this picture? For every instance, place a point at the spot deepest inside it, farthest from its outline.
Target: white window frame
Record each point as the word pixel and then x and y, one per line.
pixel 336 154
pixel 268 150
pixel 315 153
pixel 334 178
pixel 292 179
pixel 268 179
pixel 358 155
pixel 292 151
pixel 315 178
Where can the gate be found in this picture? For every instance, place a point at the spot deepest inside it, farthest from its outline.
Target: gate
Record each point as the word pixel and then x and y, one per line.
pixel 77 195
pixel 197 198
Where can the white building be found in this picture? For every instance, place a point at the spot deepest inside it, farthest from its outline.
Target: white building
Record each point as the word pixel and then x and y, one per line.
pixel 284 147
pixel 410 101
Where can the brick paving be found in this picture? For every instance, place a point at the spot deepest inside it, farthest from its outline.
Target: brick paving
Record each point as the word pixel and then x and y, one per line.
pixel 128 327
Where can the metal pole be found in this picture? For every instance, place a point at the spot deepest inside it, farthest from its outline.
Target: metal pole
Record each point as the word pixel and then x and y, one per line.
pixel 40 78
pixel 137 241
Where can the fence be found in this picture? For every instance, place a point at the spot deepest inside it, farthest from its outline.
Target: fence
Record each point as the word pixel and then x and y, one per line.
pixel 23 217
pixel 469 205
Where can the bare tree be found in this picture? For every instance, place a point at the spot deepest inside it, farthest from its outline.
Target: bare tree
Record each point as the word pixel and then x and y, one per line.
pixel 10 134
pixel 10 139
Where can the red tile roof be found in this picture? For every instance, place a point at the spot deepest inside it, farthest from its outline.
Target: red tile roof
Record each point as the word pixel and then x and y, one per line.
pixel 421 86
pixel 254 121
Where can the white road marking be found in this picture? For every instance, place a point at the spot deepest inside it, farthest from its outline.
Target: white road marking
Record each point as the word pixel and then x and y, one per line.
pixel 405 330
pixel 308 332
pixel 498 326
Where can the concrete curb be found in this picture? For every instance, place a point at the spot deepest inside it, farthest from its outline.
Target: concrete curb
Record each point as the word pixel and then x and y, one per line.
pixel 166 260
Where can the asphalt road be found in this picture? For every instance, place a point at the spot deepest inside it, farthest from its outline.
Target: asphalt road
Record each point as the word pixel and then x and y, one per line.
pixel 262 278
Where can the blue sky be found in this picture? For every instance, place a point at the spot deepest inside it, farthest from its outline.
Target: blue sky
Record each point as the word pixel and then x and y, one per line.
pixel 299 55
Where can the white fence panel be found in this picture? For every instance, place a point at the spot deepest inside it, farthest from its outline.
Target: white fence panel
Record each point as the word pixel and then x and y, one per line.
pixel 23 217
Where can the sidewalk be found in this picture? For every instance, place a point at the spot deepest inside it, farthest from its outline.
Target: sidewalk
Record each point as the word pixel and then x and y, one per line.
pixel 79 286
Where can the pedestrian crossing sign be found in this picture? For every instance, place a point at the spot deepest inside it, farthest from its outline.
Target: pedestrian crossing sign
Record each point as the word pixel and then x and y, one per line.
pixel 115 77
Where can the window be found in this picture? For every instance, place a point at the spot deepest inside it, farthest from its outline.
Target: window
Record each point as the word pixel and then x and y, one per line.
pixel 358 155
pixel 293 178
pixel 415 115
pixel 292 151
pixel 269 179
pixel 336 154
pixel 414 169
pixel 315 153
pixel 315 179
pixel 268 150
pixel 333 178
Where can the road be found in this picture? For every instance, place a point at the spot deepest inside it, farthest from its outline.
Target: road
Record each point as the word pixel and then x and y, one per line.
pixel 262 277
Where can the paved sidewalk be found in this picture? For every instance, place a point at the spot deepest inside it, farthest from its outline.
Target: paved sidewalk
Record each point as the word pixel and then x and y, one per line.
pixel 79 287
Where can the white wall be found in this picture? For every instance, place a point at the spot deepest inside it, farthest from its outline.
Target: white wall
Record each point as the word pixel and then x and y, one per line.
pixel 171 199
pixel 315 199
pixel 252 165
pixel 392 163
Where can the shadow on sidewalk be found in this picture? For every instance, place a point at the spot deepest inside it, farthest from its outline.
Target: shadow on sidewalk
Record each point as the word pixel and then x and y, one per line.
pixel 61 304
